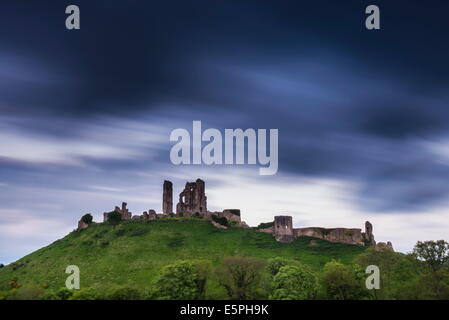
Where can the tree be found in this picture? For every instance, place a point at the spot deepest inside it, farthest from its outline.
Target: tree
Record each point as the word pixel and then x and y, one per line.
pixel 114 217
pixel 240 276
pixel 398 273
pixel 433 285
pixel 274 264
pixel 434 253
pixel 294 282
pixel 182 280
pixel 341 282
pixel 87 218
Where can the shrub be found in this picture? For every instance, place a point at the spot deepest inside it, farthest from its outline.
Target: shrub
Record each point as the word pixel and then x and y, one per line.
pixel 294 283
pixel 182 280
pixel 85 294
pixel 1 265
pixel 265 225
pixel 64 293
pixel 220 220
pixel 124 293
pixel 114 217
pixel 50 295
pixel 87 218
pixel 240 276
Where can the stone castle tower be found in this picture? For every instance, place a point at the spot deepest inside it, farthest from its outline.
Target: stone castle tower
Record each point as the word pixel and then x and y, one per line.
pixel 167 197
pixel 283 228
pixel 192 199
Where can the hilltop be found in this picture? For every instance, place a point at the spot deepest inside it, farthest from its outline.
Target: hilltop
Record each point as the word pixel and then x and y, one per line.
pixel 134 251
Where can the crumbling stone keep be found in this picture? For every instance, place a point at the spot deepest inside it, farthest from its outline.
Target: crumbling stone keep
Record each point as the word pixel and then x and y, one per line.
pixel 192 199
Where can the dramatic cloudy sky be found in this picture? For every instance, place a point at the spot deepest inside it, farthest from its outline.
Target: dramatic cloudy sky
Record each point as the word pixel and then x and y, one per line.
pixel 363 116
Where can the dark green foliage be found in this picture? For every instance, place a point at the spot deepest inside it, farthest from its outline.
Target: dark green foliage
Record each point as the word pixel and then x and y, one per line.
pixel 87 218
pixel 434 253
pixel 86 294
pixel 294 282
pixel 1 265
pixel 265 225
pixel 274 264
pixel 60 294
pixel 181 214
pixel 124 293
pixel 114 217
pixel 220 220
pixel 64 293
pixel 398 273
pixel 240 276
pixel 343 282
pixel 183 280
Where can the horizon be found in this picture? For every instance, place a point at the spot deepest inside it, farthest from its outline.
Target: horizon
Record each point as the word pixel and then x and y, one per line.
pixel 86 115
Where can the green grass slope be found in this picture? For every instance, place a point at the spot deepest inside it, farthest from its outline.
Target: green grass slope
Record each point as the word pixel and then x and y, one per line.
pixel 134 251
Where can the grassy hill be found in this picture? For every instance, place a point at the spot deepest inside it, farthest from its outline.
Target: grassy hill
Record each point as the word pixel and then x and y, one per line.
pixel 133 252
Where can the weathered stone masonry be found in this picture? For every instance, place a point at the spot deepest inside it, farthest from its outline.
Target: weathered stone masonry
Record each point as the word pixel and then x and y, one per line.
pixel 193 201
pixel 283 231
pixel 167 197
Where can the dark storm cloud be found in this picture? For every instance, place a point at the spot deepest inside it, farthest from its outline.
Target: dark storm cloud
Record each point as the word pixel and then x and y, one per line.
pixel 348 102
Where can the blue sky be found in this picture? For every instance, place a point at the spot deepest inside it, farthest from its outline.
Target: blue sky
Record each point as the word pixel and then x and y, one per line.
pixel 85 116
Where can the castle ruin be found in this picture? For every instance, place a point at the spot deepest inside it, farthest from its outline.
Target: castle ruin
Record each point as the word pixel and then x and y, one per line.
pixel 193 202
pixel 283 231
pixel 192 199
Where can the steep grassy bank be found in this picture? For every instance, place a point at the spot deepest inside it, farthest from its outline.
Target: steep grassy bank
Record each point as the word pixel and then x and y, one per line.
pixel 133 252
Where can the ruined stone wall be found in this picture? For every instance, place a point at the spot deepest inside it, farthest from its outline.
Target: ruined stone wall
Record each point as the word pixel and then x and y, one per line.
pixel 283 231
pixel 342 235
pixel 126 214
pixel 231 215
